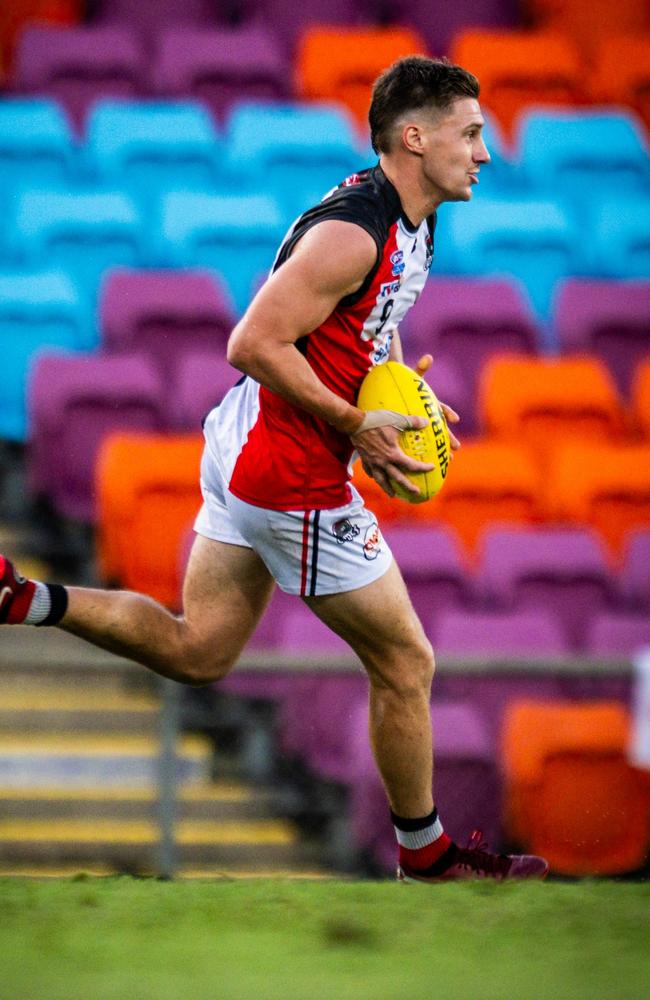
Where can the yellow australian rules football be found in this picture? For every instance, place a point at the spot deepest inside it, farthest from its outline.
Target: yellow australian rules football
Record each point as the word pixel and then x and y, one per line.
pixel 394 386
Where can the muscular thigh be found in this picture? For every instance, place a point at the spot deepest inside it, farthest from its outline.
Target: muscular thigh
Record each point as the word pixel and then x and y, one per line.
pixel 378 621
pixel 226 589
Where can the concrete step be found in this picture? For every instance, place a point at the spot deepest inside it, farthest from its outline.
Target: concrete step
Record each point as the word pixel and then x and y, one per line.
pixel 87 760
pixel 130 845
pixel 218 800
pixel 70 870
pixel 46 707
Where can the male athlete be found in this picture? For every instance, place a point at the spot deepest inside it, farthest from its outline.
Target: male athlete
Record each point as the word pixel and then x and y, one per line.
pixel 274 473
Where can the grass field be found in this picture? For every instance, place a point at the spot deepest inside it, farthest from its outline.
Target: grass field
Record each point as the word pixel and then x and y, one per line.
pixel 103 939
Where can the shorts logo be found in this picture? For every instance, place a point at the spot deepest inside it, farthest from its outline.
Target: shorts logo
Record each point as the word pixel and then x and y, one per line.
pixel 397 260
pixel 345 531
pixel 372 542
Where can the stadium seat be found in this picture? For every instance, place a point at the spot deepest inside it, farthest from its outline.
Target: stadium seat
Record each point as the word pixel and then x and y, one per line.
pixel 76 401
pixel 621 238
pixel 635 572
pixel 341 64
pixel 16 15
pixel 534 241
pixel 609 319
pixel 38 310
pixel 432 565
pixel 464 632
pixel 237 236
pixel 166 314
pixel 150 147
pixel 588 24
pixel 36 146
pixel 148 492
pixel 79 65
pixel 148 18
pixel 621 73
pixel 570 792
pixel 201 380
pixel 452 18
pixel 605 486
pixel 295 152
pixel 520 68
pixel 618 633
pixel 466 320
pixel 542 401
pixel 582 156
pixel 388 510
pixel 562 570
pixel 640 397
pixel 488 482
pixel 83 232
pixel 221 67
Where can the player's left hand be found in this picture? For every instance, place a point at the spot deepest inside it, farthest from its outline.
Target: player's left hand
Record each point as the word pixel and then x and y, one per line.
pixel 422 367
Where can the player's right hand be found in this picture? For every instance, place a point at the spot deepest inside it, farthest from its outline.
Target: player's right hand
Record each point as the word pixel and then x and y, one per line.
pixel 377 443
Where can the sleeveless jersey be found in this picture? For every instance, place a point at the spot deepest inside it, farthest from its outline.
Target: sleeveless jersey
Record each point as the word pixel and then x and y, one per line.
pixel 276 455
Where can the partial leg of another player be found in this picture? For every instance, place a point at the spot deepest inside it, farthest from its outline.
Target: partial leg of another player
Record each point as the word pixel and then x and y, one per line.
pixel 379 623
pixel 226 590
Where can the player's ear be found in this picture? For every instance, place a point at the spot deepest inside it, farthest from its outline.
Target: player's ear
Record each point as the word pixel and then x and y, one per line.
pixel 412 138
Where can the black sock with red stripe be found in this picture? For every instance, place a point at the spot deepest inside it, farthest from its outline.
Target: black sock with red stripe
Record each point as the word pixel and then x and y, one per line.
pixel 29 602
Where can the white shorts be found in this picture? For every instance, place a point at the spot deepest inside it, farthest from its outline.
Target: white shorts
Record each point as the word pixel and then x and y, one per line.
pixel 308 552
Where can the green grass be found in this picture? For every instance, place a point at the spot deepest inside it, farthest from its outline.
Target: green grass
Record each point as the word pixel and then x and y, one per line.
pixel 104 939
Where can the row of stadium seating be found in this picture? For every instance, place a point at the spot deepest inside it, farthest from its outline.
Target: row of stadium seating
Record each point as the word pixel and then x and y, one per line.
pixel 539 760
pixel 515 68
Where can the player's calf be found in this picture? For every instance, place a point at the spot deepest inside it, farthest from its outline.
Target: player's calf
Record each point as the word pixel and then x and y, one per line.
pixel 29 602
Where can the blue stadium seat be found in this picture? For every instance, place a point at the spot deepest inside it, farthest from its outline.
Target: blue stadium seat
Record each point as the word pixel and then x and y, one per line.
pixel 584 156
pixel 237 236
pixel 296 152
pixel 534 241
pixel 38 310
pixel 81 232
pixel 152 147
pixel 622 238
pixel 36 144
pixel 500 176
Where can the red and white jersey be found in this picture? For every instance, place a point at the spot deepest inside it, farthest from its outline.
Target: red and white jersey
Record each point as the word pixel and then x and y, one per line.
pixel 276 455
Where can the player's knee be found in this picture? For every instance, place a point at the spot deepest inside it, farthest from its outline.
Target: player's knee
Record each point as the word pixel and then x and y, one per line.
pixel 410 672
pixel 196 668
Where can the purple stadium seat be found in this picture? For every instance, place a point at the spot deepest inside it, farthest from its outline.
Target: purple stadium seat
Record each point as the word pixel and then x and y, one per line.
pixel 432 566
pixel 148 17
pixel 300 631
pixel 165 314
pixel 563 571
pixel 439 25
pixel 466 321
pixel 222 66
pixel 79 65
pixel 76 400
pixel 448 380
pixel 289 19
pixel 607 318
pixel 200 382
pixel 635 574
pixel 498 633
pixel 612 633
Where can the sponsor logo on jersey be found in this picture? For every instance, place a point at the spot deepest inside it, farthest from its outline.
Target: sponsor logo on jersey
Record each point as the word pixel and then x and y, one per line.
pixel 345 531
pixel 397 260
pixel 382 349
pixel 372 541
pixel 389 288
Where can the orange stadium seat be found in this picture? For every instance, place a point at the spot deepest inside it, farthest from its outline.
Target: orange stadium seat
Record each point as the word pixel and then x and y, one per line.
pixel 588 22
pixel 622 72
pixel 341 64
pixel 148 493
pixel 489 482
pixel 641 399
pixel 570 793
pixel 387 510
pixel 518 68
pixel 540 401
pixel 604 486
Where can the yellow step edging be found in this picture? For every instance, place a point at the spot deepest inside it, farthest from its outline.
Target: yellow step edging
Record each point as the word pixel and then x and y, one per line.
pixel 102 831
pixel 216 792
pixel 89 745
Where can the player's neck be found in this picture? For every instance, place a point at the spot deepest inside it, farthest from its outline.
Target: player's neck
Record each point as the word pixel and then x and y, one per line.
pixel 418 201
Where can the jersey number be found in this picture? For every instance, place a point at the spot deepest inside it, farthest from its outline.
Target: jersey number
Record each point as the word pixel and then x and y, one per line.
pixel 385 313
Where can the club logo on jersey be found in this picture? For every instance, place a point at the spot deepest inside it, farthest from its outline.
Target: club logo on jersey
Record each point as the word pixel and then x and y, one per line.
pixel 345 531
pixel 389 288
pixel 397 260
pixel 352 179
pixel 372 541
pixel 428 260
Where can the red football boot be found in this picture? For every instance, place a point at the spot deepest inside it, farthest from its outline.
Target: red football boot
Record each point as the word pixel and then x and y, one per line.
pixel 476 862
pixel 16 594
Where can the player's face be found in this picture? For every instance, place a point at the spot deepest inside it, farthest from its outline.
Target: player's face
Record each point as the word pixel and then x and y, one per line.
pixel 454 150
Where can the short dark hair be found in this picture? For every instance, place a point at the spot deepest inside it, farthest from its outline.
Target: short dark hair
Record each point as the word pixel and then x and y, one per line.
pixel 411 83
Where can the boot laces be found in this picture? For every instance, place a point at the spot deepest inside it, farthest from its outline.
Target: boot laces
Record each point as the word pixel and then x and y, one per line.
pixel 476 857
